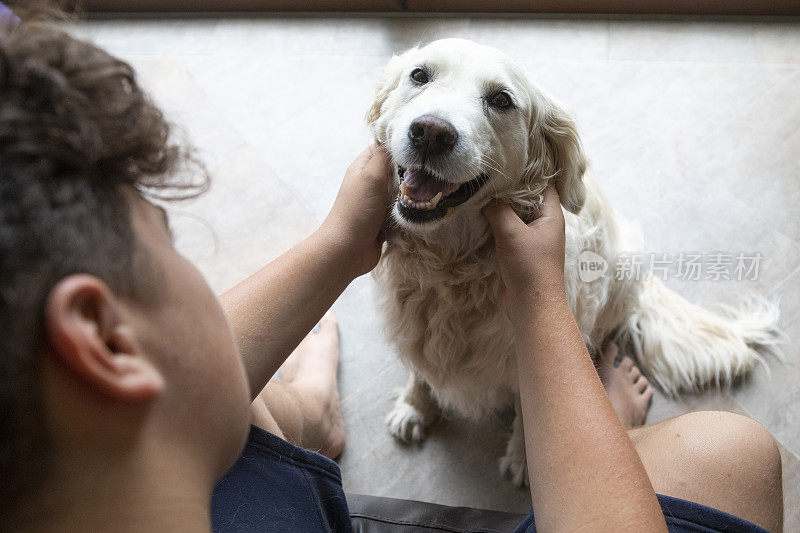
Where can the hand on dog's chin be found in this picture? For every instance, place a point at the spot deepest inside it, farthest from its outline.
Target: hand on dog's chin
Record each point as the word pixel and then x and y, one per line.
pixel 538 275
pixel 355 226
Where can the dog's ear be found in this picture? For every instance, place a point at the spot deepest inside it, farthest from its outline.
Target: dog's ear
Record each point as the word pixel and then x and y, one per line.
pixel 556 151
pixel 389 80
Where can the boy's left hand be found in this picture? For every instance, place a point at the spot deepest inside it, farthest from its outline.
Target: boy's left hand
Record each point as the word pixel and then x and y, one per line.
pixel 358 214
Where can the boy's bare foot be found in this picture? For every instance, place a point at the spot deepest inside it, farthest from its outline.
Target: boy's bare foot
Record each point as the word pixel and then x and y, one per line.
pixel 629 391
pixel 311 373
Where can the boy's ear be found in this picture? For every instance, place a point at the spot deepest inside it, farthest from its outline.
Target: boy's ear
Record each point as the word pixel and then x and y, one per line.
pixel 86 334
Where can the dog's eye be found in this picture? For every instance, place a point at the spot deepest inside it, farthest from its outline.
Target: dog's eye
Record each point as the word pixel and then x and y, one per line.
pixel 419 76
pixel 500 100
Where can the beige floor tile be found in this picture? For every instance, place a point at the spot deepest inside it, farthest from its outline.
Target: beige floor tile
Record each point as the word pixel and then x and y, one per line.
pixel 247 219
pixel 384 37
pixel 762 167
pixel 304 115
pixel 195 118
pixel 544 40
pixel 791 490
pixel 689 40
pixel 151 36
pixel 777 42
pixel 278 36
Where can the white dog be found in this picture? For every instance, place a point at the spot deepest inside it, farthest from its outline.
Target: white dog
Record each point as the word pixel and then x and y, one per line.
pixel 464 125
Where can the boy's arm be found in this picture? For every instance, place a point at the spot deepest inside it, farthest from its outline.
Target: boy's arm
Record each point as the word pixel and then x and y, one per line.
pixel 271 311
pixel 585 474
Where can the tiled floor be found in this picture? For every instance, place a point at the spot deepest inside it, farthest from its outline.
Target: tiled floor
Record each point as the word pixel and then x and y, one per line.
pixel 694 132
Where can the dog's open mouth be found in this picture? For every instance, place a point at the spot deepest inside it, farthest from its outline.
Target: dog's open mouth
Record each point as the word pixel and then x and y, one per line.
pixel 425 197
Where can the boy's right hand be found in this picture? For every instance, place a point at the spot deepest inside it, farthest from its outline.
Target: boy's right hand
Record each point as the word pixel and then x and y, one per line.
pixel 359 212
pixel 530 257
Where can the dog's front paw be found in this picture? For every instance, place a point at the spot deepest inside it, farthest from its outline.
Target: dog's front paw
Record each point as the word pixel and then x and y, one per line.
pixel 514 465
pixel 407 423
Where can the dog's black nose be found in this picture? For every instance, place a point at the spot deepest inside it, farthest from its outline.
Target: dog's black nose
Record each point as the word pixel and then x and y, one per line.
pixel 432 135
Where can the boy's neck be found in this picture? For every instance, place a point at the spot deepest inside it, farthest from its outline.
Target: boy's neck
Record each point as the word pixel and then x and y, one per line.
pixel 126 496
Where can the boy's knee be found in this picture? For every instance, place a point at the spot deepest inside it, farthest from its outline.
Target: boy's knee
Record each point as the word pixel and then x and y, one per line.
pixel 733 463
pixel 726 440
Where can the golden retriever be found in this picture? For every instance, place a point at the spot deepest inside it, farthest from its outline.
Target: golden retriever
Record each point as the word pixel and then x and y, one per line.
pixel 464 124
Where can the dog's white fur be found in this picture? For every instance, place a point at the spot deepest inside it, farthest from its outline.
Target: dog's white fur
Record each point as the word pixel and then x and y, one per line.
pixel 440 281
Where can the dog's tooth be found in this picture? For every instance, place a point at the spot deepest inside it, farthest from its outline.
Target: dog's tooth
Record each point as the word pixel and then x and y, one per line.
pixel 403 188
pixel 435 200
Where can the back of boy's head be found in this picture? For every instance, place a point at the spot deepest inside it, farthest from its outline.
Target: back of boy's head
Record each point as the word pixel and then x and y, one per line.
pixel 77 136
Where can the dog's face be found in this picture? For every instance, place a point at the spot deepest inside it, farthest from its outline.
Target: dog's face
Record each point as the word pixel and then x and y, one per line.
pixel 463 125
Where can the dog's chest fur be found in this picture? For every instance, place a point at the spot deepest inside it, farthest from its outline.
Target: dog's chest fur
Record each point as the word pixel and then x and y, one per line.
pixel 445 315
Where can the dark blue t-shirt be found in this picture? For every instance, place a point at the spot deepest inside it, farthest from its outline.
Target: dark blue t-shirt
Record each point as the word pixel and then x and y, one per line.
pixel 278 487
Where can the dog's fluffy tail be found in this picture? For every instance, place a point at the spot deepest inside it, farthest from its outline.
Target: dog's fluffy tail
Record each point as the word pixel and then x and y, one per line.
pixel 682 346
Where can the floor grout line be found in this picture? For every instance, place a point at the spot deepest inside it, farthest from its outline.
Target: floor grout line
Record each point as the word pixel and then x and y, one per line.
pixel 751 415
pixel 787 278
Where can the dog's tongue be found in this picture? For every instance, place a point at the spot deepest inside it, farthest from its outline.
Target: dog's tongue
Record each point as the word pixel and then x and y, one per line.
pixel 421 186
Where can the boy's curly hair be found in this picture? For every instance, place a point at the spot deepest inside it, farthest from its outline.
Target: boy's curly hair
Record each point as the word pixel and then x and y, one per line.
pixel 77 135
